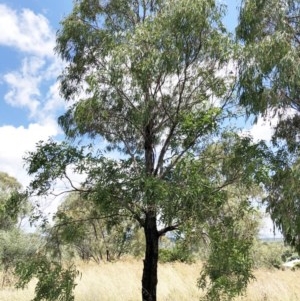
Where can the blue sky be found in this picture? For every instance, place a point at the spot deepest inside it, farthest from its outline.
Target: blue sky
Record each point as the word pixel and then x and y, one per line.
pixel 27 38
pixel 29 97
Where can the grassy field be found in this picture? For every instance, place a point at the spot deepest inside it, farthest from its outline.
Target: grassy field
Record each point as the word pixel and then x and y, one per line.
pixel 177 282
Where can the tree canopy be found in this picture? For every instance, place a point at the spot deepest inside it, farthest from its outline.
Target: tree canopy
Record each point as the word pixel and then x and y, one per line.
pixel 13 204
pixel 269 85
pixel 149 94
pixel 15 244
pixel 269 75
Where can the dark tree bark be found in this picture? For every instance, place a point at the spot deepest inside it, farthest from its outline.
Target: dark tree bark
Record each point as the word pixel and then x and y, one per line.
pixel 149 280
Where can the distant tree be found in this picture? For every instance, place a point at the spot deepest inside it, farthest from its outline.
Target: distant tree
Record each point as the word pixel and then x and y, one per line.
pixel 148 80
pixel 15 244
pixel 269 86
pixel 13 205
pixel 16 247
pixel 81 227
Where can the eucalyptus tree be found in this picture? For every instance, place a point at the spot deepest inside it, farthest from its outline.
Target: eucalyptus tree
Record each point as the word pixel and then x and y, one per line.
pixel 15 244
pixel 270 85
pixel 148 87
pixel 269 69
pixel 14 206
pixel 79 227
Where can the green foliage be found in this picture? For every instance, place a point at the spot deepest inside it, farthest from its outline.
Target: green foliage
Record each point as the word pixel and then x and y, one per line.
pixel 178 253
pixel 269 85
pixel 138 244
pixel 185 244
pixel 269 30
pixel 50 163
pixel 157 51
pixel 287 255
pixel 282 200
pixel 228 171
pixel 8 184
pixel 83 228
pixel 154 91
pixel 13 203
pixel 54 282
pixel 269 254
pixel 296 267
pixel 15 247
pixel 228 269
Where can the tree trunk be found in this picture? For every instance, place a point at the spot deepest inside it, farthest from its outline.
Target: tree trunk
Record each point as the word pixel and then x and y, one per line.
pixel 149 281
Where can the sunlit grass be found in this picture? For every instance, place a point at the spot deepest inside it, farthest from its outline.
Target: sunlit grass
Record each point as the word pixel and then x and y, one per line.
pixel 122 281
pixel 274 285
pixel 12 294
pixel 177 282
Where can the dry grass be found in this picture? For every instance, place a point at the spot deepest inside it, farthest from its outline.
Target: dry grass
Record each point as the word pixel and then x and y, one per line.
pixel 122 281
pixel 274 285
pixel 11 294
pixel 177 282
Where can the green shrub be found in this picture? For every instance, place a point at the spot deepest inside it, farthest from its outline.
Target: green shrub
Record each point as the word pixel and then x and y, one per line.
pixel 15 246
pixel 296 266
pixel 175 254
pixel 270 254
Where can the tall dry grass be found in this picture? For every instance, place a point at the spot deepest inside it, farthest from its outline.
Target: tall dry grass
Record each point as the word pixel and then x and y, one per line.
pixel 177 282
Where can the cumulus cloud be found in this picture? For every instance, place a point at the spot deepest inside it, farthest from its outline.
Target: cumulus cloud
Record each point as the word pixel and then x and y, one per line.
pixel 32 87
pixel 25 87
pixel 16 141
pixel 26 31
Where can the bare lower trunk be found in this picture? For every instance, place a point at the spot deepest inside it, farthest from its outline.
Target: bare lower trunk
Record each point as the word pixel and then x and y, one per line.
pixel 149 281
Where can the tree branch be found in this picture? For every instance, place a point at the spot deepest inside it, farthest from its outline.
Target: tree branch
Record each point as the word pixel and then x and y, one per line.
pixel 82 220
pixel 168 229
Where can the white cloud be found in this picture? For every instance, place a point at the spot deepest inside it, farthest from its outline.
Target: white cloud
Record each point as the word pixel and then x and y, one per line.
pixel 16 141
pixel 33 87
pixel 53 101
pixel 26 88
pixel 26 31
pixel 24 85
pixel 263 129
